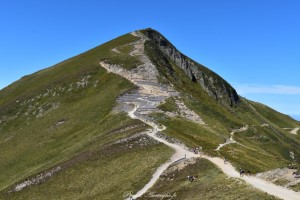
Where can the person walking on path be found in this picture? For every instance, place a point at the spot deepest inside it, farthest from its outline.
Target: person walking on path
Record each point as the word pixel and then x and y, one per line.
pixel 241 172
pixel 131 196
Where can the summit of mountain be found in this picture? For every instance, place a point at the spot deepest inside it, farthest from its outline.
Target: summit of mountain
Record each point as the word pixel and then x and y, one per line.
pixel 210 82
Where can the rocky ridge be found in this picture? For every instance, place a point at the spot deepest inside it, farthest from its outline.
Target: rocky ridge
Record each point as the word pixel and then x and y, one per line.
pixel 210 82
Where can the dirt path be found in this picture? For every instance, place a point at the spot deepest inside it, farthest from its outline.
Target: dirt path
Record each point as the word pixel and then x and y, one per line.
pixel 231 140
pixel 180 152
pixel 149 95
pixel 295 131
pixel 265 186
pixel 228 169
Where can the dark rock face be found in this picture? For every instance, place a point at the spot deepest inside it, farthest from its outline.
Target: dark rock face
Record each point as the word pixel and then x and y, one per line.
pixel 212 83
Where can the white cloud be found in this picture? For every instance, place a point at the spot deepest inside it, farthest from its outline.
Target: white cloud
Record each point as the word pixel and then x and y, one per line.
pixel 267 89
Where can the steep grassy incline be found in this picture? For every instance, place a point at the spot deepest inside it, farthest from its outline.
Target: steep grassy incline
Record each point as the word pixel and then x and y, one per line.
pixel 214 85
pixel 60 121
pixel 277 118
pixel 50 117
pixel 210 183
pixel 67 71
pixel 106 172
pixel 256 147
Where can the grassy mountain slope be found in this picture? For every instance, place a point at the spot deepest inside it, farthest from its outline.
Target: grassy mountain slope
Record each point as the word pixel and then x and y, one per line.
pixel 256 144
pixel 107 172
pixel 62 118
pixel 212 183
pixel 279 119
pixel 50 116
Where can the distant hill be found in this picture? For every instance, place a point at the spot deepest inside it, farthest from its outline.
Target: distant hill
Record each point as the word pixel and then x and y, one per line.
pixel 65 132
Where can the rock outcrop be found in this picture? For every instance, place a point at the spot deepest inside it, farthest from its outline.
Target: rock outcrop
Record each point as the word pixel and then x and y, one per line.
pixel 210 82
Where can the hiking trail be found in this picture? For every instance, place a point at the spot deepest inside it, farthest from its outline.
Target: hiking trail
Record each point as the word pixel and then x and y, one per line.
pixel 228 169
pixel 148 96
pixel 293 130
pixel 231 140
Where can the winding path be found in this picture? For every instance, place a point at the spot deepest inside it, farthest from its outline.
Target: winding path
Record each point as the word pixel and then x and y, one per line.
pixel 295 131
pixel 231 140
pixel 180 152
pixel 149 95
pixel 228 169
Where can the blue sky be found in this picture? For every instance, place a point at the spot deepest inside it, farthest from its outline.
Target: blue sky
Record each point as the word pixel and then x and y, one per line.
pixel 253 44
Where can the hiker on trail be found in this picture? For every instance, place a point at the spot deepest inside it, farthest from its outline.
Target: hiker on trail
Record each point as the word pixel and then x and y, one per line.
pixel 200 151
pixel 248 172
pixel 197 150
pixel 225 161
pixel 241 172
pixel 191 178
pixel 130 195
pixel 194 150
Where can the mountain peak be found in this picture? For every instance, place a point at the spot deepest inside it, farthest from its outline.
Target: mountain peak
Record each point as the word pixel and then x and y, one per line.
pixel 115 107
pixel 209 81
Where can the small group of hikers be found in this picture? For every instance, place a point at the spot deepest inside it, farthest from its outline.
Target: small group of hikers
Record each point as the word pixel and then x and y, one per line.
pixel 295 173
pixel 197 150
pixel 242 172
pixel 129 196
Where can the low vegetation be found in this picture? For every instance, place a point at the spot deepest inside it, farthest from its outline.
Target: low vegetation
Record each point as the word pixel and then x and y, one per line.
pixel 108 172
pixel 169 105
pixel 51 115
pixel 210 183
pixel 258 144
pixel 63 117
pixel 192 134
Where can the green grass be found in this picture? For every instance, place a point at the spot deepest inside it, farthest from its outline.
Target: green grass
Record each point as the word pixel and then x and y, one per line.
pixel 281 120
pixel 168 105
pixel 126 49
pixel 192 134
pixel 218 87
pixel 295 187
pixel 222 120
pixel 102 173
pixel 125 61
pixel 81 93
pixel 213 113
pixel 30 144
pixel 211 183
pixel 64 72
pixel 253 160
